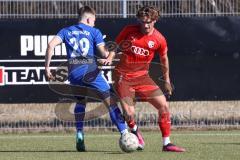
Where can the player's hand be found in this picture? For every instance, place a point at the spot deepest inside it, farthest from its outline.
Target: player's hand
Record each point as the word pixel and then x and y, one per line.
pixel 48 74
pixel 168 89
pixel 105 61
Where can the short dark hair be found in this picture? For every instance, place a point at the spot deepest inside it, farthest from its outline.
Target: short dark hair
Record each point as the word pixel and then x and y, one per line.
pixel 85 9
pixel 148 11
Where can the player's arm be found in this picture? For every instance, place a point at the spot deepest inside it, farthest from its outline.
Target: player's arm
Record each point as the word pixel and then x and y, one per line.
pixel 163 49
pixel 108 55
pixel 51 45
pixel 121 37
pixel 165 67
pixel 165 71
pixel 100 44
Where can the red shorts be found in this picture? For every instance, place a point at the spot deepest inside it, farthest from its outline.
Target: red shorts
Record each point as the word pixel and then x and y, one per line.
pixel 141 87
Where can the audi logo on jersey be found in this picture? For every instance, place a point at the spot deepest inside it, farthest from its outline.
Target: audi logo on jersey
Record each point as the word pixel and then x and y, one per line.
pixel 140 51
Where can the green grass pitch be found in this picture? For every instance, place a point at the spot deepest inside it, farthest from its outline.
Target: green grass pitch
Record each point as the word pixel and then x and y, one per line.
pixel 200 145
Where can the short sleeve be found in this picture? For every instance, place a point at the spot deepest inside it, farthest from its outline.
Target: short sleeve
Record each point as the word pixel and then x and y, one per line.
pixel 122 35
pixel 61 34
pixel 98 38
pixel 163 49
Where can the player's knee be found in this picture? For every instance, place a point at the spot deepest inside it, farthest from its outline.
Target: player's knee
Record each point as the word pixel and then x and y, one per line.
pixel 80 100
pixel 128 101
pixel 164 108
pixel 110 100
pixel 129 113
pixel 128 117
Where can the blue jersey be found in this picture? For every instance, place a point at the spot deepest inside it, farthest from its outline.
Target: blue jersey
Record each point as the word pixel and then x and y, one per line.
pixel 81 40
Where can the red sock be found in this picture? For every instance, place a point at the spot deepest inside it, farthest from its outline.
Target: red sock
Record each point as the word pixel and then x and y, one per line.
pixel 131 123
pixel 164 123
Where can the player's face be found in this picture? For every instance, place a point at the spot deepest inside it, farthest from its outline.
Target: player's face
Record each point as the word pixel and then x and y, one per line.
pixel 147 25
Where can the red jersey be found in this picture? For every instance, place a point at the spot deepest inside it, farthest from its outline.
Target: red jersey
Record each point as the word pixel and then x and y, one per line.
pixel 137 56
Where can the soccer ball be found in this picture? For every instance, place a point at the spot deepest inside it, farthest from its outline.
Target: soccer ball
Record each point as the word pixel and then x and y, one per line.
pixel 128 142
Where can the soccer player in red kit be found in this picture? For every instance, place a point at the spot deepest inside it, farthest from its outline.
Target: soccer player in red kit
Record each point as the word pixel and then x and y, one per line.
pixel 139 44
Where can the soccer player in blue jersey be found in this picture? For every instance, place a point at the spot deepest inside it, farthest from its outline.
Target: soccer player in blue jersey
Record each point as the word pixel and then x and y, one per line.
pixel 82 42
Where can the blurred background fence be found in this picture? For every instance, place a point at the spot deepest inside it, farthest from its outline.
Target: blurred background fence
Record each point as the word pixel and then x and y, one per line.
pixel 116 8
pixel 193 115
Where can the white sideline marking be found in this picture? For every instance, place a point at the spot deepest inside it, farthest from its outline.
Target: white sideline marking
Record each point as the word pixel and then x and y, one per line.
pixel 108 135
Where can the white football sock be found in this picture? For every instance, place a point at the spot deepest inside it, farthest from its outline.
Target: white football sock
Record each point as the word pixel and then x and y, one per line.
pixel 134 128
pixel 166 140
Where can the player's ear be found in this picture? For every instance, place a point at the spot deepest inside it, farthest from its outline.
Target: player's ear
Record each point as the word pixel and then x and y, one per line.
pixel 88 21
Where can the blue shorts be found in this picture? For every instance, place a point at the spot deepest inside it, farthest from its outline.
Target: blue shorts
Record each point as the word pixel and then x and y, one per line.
pixel 93 80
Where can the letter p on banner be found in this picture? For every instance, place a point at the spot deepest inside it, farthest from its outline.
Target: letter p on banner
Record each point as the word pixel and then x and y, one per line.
pixel 1 76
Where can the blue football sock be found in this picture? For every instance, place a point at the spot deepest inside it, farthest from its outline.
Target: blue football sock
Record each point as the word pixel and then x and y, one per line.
pixel 117 119
pixel 79 113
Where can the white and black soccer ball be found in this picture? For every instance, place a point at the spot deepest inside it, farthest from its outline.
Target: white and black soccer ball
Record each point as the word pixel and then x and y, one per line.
pixel 128 142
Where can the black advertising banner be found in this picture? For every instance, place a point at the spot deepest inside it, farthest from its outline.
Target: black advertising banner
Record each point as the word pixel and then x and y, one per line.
pixel 204 56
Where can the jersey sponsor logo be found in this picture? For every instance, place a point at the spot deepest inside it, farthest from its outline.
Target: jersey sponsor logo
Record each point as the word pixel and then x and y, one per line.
pixel 79 32
pixel 140 51
pixel 150 44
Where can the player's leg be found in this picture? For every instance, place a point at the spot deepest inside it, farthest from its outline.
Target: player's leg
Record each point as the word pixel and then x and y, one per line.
pixel 159 101
pixel 79 76
pixel 126 94
pixel 129 112
pixel 79 113
pixel 149 91
pixel 109 99
pixel 116 115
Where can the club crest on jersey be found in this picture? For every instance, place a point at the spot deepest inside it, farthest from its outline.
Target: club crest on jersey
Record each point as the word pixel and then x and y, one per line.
pixel 150 44
pixel 133 38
